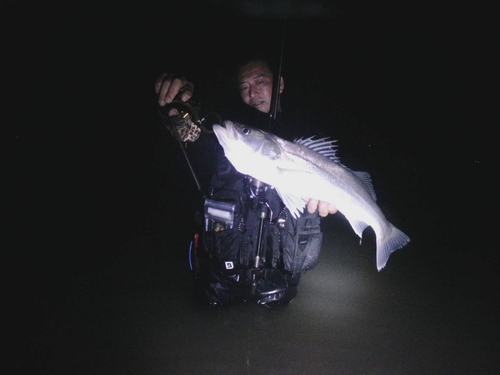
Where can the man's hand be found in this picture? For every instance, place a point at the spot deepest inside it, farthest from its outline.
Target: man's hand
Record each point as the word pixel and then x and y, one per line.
pixel 324 208
pixel 168 86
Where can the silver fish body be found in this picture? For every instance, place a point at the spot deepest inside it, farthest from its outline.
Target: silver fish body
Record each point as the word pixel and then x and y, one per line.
pixel 310 169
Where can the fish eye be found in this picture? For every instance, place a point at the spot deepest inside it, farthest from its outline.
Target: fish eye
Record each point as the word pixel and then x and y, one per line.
pixel 246 130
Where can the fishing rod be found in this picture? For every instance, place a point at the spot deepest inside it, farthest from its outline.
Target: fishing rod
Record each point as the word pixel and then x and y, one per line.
pixel 275 98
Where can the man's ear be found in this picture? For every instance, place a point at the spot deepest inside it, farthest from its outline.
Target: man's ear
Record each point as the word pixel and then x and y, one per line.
pixel 282 84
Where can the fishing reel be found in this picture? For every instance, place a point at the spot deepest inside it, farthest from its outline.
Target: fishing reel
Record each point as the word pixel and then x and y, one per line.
pixel 182 119
pixel 256 188
pixel 258 192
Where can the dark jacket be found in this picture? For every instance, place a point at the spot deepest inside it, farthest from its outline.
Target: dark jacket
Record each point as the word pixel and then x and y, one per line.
pixel 288 246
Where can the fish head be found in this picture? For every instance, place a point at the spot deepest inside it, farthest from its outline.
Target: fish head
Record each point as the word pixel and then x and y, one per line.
pixel 244 139
pixel 247 147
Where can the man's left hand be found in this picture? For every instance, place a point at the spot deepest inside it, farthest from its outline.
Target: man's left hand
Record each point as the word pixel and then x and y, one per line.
pixel 324 208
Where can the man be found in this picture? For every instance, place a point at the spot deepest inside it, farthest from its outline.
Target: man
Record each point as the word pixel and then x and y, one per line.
pixel 255 81
pixel 290 245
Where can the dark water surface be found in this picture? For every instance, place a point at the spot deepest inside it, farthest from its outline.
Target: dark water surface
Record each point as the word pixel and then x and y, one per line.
pixel 432 310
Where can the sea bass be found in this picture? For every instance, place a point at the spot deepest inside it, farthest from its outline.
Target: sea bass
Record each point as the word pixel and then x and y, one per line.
pixel 310 168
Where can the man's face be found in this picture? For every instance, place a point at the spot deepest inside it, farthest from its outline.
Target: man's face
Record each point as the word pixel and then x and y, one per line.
pixel 255 83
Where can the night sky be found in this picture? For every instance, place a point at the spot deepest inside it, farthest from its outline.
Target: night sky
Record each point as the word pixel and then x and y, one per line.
pixel 400 81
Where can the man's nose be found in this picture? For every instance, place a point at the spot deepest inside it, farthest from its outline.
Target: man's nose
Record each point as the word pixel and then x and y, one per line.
pixel 252 91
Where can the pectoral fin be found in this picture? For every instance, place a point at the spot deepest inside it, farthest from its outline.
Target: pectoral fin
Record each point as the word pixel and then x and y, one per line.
pixel 294 204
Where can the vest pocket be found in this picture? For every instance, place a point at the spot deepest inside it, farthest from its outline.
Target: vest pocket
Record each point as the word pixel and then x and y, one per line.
pixel 301 243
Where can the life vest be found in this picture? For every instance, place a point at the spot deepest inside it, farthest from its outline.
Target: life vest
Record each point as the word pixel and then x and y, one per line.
pixel 251 247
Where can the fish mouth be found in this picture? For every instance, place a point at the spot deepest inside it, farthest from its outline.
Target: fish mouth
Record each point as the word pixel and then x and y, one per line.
pixel 228 129
pixel 231 130
pixel 226 132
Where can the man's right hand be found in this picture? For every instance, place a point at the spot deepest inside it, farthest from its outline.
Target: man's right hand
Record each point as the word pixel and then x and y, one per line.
pixel 170 86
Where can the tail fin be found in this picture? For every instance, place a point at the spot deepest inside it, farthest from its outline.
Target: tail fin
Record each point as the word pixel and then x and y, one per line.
pixel 394 240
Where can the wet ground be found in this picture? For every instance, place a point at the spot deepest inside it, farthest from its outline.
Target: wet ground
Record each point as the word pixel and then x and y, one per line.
pixel 125 305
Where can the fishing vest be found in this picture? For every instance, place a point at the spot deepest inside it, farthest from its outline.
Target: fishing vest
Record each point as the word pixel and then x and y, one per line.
pixel 247 227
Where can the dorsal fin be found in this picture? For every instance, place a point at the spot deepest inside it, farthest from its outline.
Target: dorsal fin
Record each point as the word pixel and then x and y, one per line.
pixel 367 180
pixel 323 146
pixel 327 148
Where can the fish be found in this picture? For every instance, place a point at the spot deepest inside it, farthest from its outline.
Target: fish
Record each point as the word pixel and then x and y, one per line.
pixel 310 168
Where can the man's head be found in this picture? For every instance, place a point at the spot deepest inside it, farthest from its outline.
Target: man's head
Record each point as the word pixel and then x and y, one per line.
pixel 255 84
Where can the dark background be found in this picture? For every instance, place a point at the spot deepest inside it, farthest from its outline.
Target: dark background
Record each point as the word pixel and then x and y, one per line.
pixel 91 171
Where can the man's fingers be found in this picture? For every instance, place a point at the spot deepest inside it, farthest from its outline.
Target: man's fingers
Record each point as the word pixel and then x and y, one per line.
pixel 159 82
pixel 324 208
pixel 163 83
pixel 168 86
pixel 312 205
pixel 331 208
pixel 186 91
